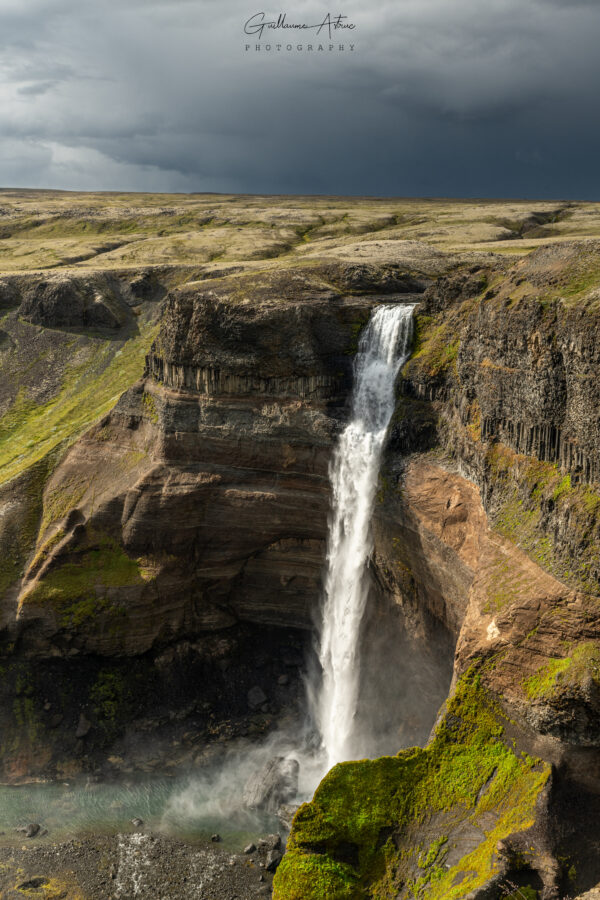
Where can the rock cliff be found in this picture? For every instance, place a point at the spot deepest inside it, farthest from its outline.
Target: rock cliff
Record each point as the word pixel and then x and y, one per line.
pixel 189 523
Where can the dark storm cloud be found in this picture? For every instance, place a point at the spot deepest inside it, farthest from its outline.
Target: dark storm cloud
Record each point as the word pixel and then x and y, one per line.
pixel 439 97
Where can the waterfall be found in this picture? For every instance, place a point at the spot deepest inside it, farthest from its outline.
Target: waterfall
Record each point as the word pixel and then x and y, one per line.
pixel 383 348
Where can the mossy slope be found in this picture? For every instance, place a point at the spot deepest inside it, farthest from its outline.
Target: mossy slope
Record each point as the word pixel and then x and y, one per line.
pixel 390 827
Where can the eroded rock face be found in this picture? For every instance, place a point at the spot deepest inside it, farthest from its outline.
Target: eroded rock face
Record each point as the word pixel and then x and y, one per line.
pixel 504 379
pixel 76 304
pixel 520 346
pixel 523 700
pixel 205 491
pixel 9 293
pixel 438 556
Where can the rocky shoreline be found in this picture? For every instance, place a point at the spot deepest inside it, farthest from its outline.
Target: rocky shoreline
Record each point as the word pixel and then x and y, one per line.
pixel 139 864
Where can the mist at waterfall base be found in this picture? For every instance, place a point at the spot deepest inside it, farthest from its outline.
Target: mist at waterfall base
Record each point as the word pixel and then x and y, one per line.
pixel 371 687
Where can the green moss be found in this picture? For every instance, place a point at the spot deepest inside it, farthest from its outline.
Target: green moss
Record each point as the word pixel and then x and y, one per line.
pixel 433 853
pixel 111 699
pixel 474 422
pixel 542 683
pixel 583 662
pixel 591 502
pixel 522 893
pixel 62 499
pixel 520 524
pixel 524 490
pixel 316 876
pixel 19 536
pixel 149 406
pixel 422 326
pixel 78 589
pixel 46 549
pixel 500 459
pixel 562 488
pixel 467 770
pixel 505 585
pixel 29 431
pixel 131 459
pixel 435 346
pixel 33 436
pixel 356 329
pixel 581 277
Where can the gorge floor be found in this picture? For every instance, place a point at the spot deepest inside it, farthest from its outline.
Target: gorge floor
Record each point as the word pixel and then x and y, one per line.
pixel 124 866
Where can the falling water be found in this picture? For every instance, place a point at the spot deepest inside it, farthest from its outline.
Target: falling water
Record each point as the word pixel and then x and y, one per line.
pixel 384 347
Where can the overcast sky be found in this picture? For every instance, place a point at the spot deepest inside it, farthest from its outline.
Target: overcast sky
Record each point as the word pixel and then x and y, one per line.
pixel 485 98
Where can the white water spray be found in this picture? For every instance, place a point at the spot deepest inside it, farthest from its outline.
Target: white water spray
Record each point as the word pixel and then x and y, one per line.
pixel 383 348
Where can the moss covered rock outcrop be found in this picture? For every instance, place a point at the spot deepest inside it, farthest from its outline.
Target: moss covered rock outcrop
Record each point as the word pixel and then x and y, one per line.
pixel 434 823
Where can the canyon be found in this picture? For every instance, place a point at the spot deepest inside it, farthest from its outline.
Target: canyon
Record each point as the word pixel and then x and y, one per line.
pixel 175 375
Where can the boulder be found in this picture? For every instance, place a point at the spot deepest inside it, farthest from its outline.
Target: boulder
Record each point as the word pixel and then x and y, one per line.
pixel 270 842
pixel 83 727
pixel 256 697
pixel 274 857
pixel 273 785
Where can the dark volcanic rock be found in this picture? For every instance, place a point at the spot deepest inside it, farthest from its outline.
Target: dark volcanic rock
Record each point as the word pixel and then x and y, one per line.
pixel 256 697
pixel 215 468
pixel 33 884
pixel 9 293
pixel 75 303
pixel 273 859
pixel 83 727
pixel 270 842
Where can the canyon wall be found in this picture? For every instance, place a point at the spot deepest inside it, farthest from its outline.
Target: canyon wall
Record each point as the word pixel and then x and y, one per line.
pixel 170 550
pixel 486 530
pixel 186 529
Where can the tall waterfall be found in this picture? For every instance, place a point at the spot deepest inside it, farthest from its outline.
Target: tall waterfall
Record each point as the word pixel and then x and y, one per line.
pixel 383 348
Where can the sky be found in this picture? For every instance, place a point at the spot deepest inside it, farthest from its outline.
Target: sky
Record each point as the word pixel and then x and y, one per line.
pixel 449 98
